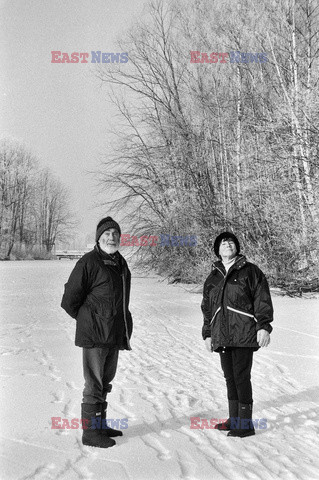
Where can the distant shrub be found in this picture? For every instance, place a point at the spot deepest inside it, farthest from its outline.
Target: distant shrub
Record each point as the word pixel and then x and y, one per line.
pixel 27 253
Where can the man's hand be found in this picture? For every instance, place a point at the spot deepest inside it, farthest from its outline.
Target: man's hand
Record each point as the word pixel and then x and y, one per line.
pixel 263 338
pixel 208 344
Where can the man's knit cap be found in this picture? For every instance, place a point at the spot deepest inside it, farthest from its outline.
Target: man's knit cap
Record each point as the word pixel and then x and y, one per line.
pixel 104 225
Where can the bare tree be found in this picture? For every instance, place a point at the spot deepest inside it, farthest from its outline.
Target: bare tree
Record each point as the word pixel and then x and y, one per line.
pixel 54 220
pixel 17 168
pixel 34 206
pixel 226 145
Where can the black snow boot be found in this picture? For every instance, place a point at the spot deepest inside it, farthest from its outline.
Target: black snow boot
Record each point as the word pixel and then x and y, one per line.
pixel 243 426
pixel 92 435
pixel 233 413
pixel 105 430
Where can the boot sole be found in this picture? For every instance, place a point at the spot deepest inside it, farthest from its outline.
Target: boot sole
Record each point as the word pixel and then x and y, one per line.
pixel 220 427
pixel 99 445
pixel 241 435
pixel 98 442
pixel 110 435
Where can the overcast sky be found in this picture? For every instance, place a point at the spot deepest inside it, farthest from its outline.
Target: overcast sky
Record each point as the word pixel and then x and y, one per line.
pixel 59 111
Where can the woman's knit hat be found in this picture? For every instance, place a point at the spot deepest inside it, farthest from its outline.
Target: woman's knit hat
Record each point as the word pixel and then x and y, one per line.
pixel 225 236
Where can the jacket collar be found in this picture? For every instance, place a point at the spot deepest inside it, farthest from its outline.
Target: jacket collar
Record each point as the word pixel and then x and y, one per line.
pixel 114 260
pixel 239 263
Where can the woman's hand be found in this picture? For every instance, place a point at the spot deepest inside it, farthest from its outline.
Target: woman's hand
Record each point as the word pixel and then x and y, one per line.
pixel 263 338
pixel 208 343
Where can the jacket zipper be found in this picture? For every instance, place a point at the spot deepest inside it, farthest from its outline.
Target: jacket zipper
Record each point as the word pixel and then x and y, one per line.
pixel 221 272
pixel 124 311
pixel 225 276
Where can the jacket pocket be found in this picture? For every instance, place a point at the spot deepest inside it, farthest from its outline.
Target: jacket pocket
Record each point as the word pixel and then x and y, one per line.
pixel 84 336
pixel 241 312
pixel 242 327
pixel 102 327
pixel 101 318
pixel 218 310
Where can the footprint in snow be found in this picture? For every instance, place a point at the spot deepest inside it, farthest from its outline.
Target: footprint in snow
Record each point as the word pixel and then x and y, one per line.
pixel 58 397
pixel 72 386
pixel 162 452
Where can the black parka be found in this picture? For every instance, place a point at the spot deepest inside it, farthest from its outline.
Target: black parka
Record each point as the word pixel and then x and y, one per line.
pixel 236 305
pixel 97 296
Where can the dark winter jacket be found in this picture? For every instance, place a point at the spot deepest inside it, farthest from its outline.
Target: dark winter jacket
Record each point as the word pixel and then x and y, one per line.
pixel 235 305
pixel 97 296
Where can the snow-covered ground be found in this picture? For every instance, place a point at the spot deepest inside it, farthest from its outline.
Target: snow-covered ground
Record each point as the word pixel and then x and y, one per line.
pixel 165 380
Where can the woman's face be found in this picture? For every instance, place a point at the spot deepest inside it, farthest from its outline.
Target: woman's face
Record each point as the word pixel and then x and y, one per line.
pixel 227 248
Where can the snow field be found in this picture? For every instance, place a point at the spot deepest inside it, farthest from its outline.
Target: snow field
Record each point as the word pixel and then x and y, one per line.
pixel 165 380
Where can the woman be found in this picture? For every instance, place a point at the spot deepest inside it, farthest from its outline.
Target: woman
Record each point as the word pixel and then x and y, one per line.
pixel 237 310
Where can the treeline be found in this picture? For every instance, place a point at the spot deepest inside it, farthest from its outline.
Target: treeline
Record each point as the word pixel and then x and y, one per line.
pixel 215 146
pixel 34 205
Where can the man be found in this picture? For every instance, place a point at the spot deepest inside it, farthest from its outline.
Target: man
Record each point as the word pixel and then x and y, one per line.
pixel 97 296
pixel 237 311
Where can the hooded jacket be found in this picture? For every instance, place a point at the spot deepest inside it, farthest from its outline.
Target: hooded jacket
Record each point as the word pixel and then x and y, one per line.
pixel 236 305
pixel 97 296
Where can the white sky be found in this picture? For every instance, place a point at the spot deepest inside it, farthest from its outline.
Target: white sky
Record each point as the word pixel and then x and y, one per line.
pixel 59 111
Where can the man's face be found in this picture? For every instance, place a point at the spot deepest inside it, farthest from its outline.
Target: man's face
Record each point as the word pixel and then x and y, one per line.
pixel 227 248
pixel 110 241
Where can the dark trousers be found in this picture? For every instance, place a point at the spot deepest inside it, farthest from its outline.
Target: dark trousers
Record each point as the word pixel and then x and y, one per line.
pixel 236 364
pixel 99 368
